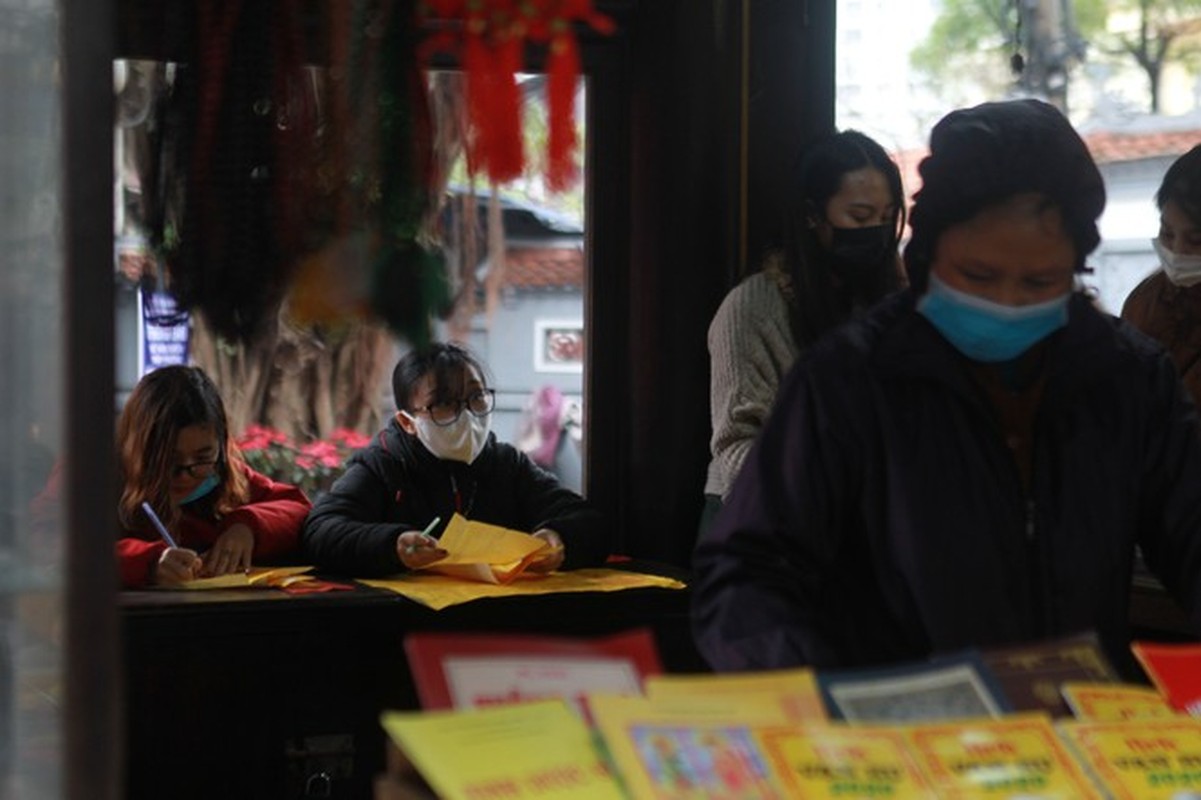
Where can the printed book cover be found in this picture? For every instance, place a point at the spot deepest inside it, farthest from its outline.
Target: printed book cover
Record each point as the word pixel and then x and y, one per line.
pixel 1018 756
pixel 668 749
pixel 472 670
pixel 1032 675
pixel 1175 669
pixel 1147 759
pixel 949 687
pixel 1114 702
pixel 533 750
pixel 795 690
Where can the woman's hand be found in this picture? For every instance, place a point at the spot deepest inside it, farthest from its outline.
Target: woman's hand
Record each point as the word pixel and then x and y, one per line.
pixel 417 550
pixel 230 552
pixel 175 566
pixel 554 558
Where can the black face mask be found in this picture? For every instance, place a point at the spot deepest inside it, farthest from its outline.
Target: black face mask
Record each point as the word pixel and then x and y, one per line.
pixel 860 248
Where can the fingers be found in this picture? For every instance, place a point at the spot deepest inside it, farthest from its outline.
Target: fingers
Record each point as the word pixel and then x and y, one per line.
pixel 177 565
pixel 553 559
pixel 417 550
pixel 548 563
pixel 224 560
pixel 423 557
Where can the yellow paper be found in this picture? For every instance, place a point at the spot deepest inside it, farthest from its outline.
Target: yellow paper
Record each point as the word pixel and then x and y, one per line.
pixel 1141 759
pixel 482 552
pixel 440 591
pixel 842 761
pixel 256 578
pixel 1014 756
pixel 795 690
pixel 531 750
pixel 1112 702
pixel 679 749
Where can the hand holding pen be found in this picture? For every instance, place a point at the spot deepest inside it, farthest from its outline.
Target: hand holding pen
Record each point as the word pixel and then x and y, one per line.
pixel 417 548
pixel 176 564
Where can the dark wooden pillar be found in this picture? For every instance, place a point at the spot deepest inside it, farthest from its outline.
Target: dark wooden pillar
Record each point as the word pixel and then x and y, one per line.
pixel 721 94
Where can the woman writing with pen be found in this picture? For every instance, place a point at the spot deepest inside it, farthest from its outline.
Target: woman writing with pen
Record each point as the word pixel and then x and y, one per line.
pixel 178 460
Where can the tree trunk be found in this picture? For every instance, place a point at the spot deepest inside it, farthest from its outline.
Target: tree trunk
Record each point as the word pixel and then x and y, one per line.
pixel 304 383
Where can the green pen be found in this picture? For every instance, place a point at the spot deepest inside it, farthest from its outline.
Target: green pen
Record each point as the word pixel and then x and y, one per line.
pixel 425 534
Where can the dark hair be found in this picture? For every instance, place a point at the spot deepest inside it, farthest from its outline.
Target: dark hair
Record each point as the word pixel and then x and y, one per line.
pixel 818 305
pixel 1182 185
pixel 447 362
pixel 984 155
pixel 163 403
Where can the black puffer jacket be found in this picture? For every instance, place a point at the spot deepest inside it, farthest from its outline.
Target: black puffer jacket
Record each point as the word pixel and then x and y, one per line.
pixel 395 484
pixel 880 516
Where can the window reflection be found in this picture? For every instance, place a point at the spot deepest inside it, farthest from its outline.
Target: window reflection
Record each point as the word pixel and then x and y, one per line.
pixel 30 401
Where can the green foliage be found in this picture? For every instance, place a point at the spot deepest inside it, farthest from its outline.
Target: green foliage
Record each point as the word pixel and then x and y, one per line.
pixel 971 40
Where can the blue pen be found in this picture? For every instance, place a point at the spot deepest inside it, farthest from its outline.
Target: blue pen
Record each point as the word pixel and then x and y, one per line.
pixel 158 523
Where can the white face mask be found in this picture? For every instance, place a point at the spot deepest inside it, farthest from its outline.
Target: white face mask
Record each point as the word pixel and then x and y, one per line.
pixel 462 440
pixel 1182 270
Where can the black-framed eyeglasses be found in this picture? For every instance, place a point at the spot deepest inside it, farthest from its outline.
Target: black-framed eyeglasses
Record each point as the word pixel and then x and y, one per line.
pixel 200 469
pixel 480 403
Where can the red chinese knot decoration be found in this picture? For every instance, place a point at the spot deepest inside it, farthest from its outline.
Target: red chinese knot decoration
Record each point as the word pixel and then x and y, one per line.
pixel 489 38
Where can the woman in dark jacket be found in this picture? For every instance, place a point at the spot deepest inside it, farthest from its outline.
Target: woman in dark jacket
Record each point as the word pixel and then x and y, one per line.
pixel 975 462
pixel 436 458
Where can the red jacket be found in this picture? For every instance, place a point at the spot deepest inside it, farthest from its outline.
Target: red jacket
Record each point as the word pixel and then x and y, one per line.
pixel 275 513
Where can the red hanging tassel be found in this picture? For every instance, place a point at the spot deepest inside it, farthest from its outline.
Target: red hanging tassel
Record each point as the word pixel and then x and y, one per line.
pixel 563 68
pixel 506 150
pixel 477 64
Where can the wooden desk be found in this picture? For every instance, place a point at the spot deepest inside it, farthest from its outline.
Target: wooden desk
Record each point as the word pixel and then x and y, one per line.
pixel 233 694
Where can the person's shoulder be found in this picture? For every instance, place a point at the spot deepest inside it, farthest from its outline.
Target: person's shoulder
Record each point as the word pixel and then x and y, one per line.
pixel 752 295
pixel 386 445
pixel 1100 337
pixel 1137 302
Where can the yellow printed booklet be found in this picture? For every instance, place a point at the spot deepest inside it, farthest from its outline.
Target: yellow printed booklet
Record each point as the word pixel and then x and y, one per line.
pixel 478 551
pixel 537 750
pixel 844 761
pixel 683 749
pixel 1112 702
pixel 795 690
pixel 1014 756
pixel 1147 759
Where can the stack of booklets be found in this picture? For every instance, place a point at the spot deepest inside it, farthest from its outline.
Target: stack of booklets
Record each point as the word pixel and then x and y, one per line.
pixel 940 729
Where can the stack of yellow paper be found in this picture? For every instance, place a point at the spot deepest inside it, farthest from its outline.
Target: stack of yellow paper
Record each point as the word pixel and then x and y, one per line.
pixel 478 551
pixel 254 578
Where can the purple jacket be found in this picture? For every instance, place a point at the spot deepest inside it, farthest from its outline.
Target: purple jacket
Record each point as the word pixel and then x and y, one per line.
pixel 881 518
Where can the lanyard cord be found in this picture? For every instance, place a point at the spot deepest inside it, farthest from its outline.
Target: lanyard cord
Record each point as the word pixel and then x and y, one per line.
pixel 458 497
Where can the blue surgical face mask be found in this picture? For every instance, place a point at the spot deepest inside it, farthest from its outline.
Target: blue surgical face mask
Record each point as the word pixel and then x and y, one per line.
pixel 207 485
pixel 987 331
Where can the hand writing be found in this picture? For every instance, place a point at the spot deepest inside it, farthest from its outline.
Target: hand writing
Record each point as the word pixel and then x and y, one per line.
pixel 417 550
pixel 175 566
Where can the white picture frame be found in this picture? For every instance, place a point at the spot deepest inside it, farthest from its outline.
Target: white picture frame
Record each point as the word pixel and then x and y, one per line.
pixel 559 345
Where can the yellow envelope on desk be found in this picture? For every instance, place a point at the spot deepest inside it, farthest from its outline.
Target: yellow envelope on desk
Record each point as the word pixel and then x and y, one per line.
pixel 478 551
pixel 440 591
pixel 256 578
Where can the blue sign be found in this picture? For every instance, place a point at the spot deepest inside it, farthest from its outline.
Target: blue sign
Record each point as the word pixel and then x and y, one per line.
pixel 164 331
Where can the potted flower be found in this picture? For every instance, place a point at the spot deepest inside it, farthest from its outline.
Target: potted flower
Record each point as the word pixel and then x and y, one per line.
pixel 313 466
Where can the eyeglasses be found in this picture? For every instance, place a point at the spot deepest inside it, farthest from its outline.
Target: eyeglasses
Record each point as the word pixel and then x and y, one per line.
pixel 479 403
pixel 201 469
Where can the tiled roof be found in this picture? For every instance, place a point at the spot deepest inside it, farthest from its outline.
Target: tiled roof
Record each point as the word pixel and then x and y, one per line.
pixel 1107 147
pixel 1110 146
pixel 544 268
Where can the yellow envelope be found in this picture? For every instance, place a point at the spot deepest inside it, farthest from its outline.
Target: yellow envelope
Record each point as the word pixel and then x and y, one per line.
pixel 256 578
pixel 489 553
